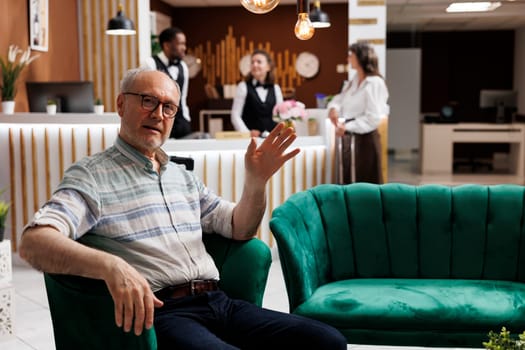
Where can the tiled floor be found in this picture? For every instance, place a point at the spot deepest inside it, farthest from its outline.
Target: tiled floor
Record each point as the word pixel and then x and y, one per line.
pixel 33 327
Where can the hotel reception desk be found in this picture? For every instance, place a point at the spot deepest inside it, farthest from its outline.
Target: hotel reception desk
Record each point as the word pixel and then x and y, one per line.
pixel 437 144
pixel 37 148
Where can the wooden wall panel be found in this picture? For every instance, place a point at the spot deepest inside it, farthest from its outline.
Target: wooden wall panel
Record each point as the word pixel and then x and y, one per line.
pixel 60 62
pixel 106 57
pixel 206 26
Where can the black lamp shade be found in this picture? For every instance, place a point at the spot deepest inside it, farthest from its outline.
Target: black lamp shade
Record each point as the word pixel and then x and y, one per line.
pixel 319 19
pixel 120 25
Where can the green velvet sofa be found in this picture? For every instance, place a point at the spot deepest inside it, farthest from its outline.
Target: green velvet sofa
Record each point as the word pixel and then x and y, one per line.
pixel 406 265
pixel 82 308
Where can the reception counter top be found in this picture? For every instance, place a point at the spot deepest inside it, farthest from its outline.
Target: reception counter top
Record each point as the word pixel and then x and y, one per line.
pixel 38 147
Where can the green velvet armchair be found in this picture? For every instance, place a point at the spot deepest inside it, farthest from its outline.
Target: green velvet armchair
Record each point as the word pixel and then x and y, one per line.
pixel 82 308
pixel 406 265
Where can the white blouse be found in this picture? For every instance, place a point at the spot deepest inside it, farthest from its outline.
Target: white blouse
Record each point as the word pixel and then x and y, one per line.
pixel 240 98
pixel 365 104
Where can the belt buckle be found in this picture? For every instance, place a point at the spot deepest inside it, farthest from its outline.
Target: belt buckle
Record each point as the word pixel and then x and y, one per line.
pixel 195 290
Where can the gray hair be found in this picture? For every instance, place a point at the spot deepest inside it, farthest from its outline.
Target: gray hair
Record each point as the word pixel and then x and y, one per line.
pixel 129 78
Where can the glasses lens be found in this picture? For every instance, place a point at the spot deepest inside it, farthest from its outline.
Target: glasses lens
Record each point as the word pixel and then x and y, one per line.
pixel 169 110
pixel 149 102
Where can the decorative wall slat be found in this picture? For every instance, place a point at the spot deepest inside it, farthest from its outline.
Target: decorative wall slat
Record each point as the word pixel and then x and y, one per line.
pixel 222 65
pixel 106 57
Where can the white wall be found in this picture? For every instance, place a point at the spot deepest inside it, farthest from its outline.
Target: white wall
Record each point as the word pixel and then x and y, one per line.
pixel 404 85
pixel 519 68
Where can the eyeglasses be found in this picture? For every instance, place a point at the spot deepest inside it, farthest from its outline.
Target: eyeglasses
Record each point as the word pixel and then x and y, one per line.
pixel 150 103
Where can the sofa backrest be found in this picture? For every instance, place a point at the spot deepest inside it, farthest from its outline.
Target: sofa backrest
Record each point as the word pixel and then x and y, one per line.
pixel 402 231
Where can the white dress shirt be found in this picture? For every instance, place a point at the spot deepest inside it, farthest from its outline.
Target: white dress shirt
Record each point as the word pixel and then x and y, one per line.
pixel 365 104
pixel 240 98
pixel 174 72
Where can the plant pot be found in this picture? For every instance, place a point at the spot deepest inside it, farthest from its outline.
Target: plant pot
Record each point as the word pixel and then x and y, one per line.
pixel 51 109
pixel 313 128
pixel 8 107
pixel 2 231
pixel 99 109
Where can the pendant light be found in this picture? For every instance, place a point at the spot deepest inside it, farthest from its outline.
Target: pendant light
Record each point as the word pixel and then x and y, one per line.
pixel 259 6
pixel 319 19
pixel 304 29
pixel 120 25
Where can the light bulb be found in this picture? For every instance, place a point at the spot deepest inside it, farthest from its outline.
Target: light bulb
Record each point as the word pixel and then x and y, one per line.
pixel 259 6
pixel 304 29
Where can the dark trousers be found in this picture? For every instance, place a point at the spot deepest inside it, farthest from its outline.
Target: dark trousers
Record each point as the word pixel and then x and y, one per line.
pixel 181 127
pixel 214 321
pixel 367 162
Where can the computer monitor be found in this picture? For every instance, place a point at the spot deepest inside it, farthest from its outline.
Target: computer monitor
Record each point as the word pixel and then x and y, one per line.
pixel 70 96
pixel 498 104
pixel 493 98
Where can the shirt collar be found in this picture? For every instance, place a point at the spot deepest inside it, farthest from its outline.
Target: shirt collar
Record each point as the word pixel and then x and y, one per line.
pixel 164 59
pixel 140 159
pixel 256 83
pixel 162 56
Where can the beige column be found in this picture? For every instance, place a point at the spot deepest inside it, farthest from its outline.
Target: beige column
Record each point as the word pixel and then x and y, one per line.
pixel 367 21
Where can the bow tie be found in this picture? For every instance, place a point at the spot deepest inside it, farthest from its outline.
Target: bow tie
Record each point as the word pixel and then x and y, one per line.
pixel 259 84
pixel 174 63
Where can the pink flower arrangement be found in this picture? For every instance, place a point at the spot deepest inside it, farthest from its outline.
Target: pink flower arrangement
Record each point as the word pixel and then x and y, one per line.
pixel 289 110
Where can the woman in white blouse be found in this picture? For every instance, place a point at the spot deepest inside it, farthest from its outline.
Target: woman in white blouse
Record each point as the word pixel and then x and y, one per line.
pixel 256 96
pixel 356 112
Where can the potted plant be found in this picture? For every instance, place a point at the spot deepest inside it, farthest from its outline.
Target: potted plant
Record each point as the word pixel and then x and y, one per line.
pixel 10 69
pixel 99 106
pixel 4 209
pixel 51 106
pixel 504 341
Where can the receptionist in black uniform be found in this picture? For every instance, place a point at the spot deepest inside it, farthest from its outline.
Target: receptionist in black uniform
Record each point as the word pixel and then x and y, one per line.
pixel 256 96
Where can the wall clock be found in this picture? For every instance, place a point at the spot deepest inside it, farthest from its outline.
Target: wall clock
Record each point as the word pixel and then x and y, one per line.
pixel 307 64
pixel 194 65
pixel 244 64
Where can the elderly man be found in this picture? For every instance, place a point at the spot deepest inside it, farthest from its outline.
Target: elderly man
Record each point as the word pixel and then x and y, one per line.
pixel 133 219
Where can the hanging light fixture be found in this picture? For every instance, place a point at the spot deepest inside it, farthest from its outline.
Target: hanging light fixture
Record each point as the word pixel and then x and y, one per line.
pixel 259 6
pixel 319 19
pixel 304 29
pixel 120 25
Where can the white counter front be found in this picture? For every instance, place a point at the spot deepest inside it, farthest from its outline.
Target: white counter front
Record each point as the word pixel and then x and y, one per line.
pixel 37 148
pixel 437 144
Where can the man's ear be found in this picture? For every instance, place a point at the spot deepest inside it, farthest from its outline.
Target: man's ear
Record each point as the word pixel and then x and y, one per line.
pixel 120 104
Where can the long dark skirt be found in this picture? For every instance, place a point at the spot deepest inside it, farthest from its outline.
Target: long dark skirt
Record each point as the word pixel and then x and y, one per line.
pixel 367 151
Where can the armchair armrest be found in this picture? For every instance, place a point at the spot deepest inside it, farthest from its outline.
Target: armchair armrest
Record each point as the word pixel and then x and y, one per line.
pixel 83 316
pixel 243 266
pixel 298 230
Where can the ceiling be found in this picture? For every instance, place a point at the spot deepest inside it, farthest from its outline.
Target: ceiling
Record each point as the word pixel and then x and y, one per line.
pixel 420 15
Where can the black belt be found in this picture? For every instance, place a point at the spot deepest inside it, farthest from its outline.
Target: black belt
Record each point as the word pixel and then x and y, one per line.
pixel 194 287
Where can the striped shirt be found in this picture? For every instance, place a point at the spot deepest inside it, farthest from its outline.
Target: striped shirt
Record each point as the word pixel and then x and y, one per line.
pixel 115 201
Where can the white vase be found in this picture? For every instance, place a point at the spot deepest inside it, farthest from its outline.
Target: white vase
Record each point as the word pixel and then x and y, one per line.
pixel 8 107
pixel 99 109
pixel 51 109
